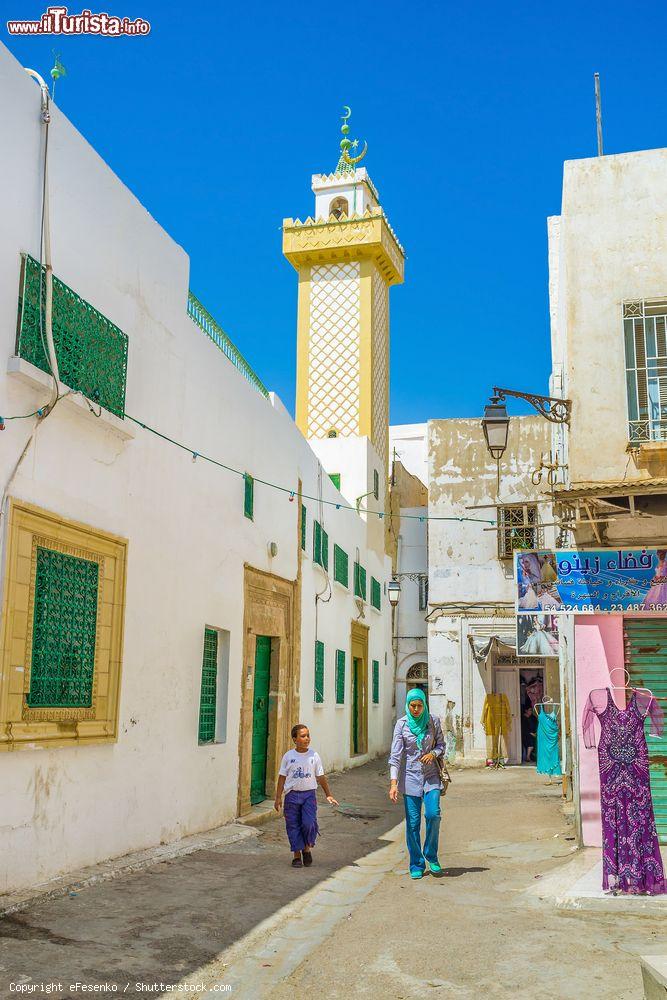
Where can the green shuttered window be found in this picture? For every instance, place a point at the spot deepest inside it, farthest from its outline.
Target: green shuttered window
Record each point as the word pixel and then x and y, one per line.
pixel 209 687
pixel 376 484
pixel 335 479
pixel 64 631
pixel 249 496
pixel 341 571
pixel 340 676
pixel 376 682
pixel 320 545
pixel 376 593
pixel 319 672
pixel 304 519
pixel 359 581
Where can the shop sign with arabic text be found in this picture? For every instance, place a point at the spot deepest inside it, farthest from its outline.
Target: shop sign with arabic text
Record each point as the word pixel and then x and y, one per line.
pixel 597 580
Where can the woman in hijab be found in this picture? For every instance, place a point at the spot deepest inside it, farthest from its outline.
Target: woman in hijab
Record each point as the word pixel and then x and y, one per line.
pixel 417 741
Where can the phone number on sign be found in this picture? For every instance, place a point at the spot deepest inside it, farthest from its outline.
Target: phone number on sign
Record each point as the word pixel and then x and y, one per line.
pixel 608 607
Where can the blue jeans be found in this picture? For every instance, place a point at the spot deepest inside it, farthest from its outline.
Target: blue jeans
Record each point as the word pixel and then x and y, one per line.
pixel 413 822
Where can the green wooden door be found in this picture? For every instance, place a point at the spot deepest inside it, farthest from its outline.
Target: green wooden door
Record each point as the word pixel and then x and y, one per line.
pixel 260 719
pixel 646 660
pixel 355 705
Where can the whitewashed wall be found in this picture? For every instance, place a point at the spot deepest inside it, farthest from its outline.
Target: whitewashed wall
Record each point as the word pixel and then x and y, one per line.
pixel 188 539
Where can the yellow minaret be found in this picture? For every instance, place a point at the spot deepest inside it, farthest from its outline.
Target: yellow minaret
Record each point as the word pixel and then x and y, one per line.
pixel 347 256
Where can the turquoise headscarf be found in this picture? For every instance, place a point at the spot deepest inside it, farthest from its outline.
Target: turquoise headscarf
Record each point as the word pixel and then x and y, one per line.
pixel 419 726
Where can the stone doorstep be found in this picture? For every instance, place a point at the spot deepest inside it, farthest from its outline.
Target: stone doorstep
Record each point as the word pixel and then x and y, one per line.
pixel 654 975
pixel 577 885
pixel 21 899
pixel 259 814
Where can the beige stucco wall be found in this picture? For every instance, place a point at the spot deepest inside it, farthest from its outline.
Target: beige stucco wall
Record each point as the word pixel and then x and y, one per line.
pixel 612 246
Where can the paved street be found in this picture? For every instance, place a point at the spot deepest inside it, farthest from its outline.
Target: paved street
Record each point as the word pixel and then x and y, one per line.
pixel 354 924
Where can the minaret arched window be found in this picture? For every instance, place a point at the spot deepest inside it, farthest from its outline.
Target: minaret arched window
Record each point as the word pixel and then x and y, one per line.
pixel 339 207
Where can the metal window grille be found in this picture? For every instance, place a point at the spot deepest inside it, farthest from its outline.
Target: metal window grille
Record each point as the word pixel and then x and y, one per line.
pixel 518 528
pixel 209 687
pixel 376 593
pixel 249 496
pixel 304 517
pixel 359 581
pixel 91 350
pixel 335 479
pixel 319 672
pixel 341 571
pixel 202 317
pixel 423 592
pixel 64 631
pixel 376 682
pixel 645 335
pixel 376 484
pixel 340 676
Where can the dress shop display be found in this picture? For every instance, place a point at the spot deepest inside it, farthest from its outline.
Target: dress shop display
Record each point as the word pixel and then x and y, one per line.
pixel 497 724
pixel 548 756
pixel 631 861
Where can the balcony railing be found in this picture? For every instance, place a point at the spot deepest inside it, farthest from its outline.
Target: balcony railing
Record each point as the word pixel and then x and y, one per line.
pixel 647 430
pixel 202 317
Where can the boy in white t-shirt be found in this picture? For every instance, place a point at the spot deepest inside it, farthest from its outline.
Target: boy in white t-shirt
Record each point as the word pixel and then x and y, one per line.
pixel 300 773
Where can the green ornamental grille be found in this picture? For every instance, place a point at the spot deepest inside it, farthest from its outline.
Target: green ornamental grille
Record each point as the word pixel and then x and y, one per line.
pixel 209 686
pixel 376 682
pixel 341 573
pixel 376 593
pixel 249 496
pixel 359 581
pixel 340 676
pixel 64 631
pixel 91 351
pixel 304 516
pixel 319 672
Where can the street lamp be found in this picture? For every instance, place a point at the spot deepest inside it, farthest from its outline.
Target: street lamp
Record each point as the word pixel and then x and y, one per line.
pixel 393 592
pixel 495 421
pixel 496 425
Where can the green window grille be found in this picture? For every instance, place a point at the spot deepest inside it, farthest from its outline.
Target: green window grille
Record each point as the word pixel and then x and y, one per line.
pixel 376 593
pixel 91 351
pixel 341 573
pixel 340 676
pixel 64 631
pixel 320 545
pixel 359 581
pixel 335 479
pixel 376 682
pixel 249 496
pixel 376 484
pixel 304 518
pixel 209 687
pixel 319 672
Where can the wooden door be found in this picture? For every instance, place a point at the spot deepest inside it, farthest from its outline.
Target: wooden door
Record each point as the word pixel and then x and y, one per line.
pixel 260 719
pixel 507 682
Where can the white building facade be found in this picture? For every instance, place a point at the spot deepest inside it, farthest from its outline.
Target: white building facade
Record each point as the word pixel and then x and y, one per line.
pixel 173 551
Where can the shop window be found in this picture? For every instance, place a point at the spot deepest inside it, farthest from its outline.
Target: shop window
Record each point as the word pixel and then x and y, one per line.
pixel 518 529
pixel 63 625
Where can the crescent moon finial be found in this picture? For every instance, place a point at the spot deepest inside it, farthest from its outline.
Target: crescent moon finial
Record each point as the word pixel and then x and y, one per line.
pixel 346 163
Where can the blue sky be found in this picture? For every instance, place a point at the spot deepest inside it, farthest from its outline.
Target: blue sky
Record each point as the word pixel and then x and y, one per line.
pixel 219 117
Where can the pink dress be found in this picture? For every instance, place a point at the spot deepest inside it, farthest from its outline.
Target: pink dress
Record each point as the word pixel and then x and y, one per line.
pixel 658 592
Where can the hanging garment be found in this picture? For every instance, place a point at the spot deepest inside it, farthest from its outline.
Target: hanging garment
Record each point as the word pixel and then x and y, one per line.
pixel 658 592
pixel 548 758
pixel 496 716
pixel 631 859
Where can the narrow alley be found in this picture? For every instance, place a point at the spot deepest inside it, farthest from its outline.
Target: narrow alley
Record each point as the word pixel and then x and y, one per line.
pixel 238 917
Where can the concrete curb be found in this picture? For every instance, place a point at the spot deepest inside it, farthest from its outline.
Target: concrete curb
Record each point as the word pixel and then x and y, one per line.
pixel 254 965
pixel 72 882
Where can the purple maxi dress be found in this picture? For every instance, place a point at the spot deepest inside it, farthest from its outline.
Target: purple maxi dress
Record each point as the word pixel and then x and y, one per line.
pixel 631 860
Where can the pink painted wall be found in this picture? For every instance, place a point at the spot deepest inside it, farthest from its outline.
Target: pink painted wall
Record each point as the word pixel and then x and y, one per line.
pixel 598 648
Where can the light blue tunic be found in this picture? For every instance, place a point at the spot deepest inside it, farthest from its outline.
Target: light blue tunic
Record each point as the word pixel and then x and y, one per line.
pixel 548 758
pixel 415 778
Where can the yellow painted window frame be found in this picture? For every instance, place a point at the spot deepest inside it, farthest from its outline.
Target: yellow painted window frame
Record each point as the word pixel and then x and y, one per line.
pixel 21 726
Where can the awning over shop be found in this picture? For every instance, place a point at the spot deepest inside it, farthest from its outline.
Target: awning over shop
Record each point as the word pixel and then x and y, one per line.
pixel 610 490
pixel 482 645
